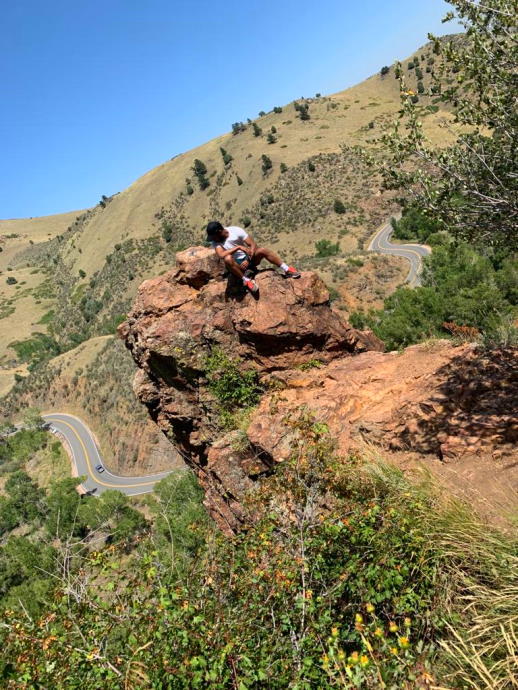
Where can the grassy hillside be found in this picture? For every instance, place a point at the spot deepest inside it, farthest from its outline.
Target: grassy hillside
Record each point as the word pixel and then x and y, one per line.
pixel 68 278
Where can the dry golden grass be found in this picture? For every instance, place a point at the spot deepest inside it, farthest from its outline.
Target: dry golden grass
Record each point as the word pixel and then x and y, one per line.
pixel 82 355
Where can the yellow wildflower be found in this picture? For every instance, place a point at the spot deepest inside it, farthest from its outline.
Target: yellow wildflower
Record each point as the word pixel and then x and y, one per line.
pixel 370 608
pixel 408 622
pixel 394 650
pixel 358 618
pixel 378 632
pixel 341 654
pixel 334 632
pixel 364 660
pixel 403 642
pixel 354 658
pixel 393 627
pixel 185 604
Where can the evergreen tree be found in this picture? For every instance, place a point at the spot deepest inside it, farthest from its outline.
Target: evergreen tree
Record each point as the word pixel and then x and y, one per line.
pixel 267 163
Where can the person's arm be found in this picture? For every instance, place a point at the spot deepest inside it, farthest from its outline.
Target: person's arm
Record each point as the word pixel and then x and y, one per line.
pixel 222 253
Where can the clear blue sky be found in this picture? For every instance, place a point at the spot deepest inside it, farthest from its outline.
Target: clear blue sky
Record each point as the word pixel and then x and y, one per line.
pixel 94 94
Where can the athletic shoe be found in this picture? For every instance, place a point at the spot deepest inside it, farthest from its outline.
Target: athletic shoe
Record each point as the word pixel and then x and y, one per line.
pixel 251 285
pixel 291 273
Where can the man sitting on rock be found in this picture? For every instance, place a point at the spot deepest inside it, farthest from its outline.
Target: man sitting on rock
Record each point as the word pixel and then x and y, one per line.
pixel 242 255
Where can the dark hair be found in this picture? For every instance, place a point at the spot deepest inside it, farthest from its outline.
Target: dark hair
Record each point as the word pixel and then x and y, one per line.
pixel 214 228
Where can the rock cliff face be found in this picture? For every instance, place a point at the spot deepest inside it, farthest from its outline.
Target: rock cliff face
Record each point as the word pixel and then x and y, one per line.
pixel 441 400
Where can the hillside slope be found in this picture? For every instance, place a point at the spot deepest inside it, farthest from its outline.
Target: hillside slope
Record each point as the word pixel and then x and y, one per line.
pixel 76 274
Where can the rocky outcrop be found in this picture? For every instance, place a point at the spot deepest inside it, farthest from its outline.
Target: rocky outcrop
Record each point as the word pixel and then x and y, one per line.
pixel 439 399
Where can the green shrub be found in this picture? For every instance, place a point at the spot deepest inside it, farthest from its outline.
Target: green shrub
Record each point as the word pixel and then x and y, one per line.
pixel 327 248
pixel 266 163
pixel 339 207
pixel 167 231
pixel 35 349
pixel 232 386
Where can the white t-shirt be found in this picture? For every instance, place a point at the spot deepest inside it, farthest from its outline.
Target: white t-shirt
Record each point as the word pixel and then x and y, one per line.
pixel 236 238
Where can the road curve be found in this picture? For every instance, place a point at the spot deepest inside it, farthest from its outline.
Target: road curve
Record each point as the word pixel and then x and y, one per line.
pixel 413 252
pixel 86 456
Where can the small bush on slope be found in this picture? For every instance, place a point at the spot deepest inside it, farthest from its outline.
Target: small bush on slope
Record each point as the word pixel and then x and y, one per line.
pixel 351 577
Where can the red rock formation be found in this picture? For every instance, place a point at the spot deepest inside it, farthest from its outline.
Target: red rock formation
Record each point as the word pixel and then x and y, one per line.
pixel 443 400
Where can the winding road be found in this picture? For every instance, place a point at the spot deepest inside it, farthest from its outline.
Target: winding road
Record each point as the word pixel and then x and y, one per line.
pixel 413 252
pixel 85 458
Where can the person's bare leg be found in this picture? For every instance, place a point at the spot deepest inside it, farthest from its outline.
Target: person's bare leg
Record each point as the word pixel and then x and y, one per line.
pixel 233 267
pixel 265 253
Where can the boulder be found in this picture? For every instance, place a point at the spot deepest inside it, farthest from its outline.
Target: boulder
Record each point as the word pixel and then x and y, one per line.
pixel 440 399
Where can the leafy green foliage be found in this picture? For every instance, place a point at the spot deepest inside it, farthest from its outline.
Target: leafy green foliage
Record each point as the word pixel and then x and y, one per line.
pixel 17 448
pixel 266 163
pixel 339 206
pixel 35 349
pixel 179 516
pixel 167 231
pixel 56 523
pixel 471 185
pixel 24 501
pixel 327 248
pixel 417 227
pixel 200 171
pixel 227 158
pixel 232 385
pixel 352 587
pixel 238 127
pixel 460 286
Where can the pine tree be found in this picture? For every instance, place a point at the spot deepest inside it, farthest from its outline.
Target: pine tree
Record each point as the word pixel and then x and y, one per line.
pixel 267 163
